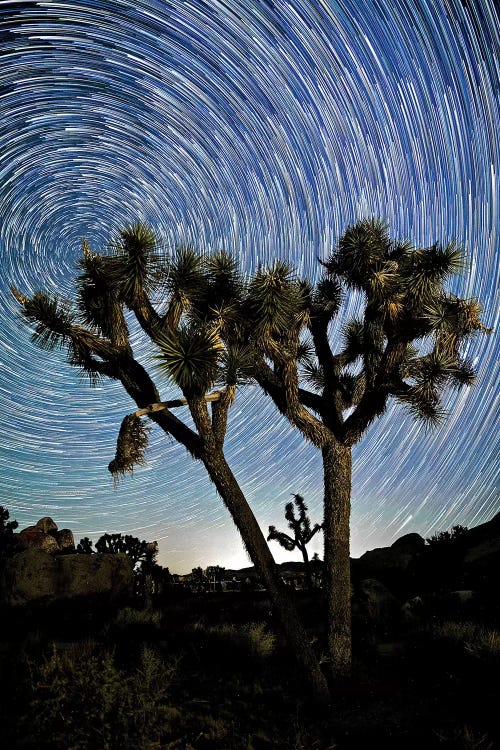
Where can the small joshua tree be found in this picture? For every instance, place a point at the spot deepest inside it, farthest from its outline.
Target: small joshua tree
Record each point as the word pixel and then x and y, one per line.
pixel 302 532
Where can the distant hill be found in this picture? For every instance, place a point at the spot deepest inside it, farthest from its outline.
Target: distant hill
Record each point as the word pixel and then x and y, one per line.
pixel 480 544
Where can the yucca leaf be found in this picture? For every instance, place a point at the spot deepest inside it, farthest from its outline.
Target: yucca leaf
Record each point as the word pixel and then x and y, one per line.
pixel 135 247
pixel 190 357
pixel 306 352
pixel 237 365
pixel 363 246
pixel 313 375
pixel 275 300
pixel 185 278
pixel 52 319
pixel 353 339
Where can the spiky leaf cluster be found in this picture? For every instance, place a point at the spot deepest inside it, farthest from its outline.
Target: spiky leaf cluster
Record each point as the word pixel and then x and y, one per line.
pixel 52 320
pixel 190 357
pixel 275 303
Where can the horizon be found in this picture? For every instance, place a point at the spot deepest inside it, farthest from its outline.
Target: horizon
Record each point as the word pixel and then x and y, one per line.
pixel 264 128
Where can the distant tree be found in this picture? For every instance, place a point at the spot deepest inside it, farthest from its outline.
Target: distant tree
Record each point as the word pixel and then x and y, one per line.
pixel 198 578
pixel 84 547
pixel 446 539
pixel 446 552
pixel 316 566
pixel 215 575
pixel 139 551
pixel 302 532
pixel 7 528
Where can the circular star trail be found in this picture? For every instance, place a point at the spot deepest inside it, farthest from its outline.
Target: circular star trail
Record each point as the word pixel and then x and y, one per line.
pixel 265 128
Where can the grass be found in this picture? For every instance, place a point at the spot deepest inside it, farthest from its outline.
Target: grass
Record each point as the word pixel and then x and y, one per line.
pixel 205 675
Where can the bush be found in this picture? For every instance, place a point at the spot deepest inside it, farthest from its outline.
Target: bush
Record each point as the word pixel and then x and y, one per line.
pixel 226 643
pixel 83 701
pixel 129 617
pixel 476 640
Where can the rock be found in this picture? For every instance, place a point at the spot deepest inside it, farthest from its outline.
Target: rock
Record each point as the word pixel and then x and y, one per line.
pixel 482 563
pixel 33 537
pixel 396 566
pixel 65 539
pixel 374 605
pixel 409 544
pixel 413 610
pixel 46 524
pixel 36 577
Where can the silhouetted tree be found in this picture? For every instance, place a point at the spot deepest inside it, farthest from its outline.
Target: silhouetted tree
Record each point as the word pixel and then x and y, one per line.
pixel 215 575
pixel 7 545
pixel 198 578
pixel 302 532
pixel 446 552
pixel 316 566
pixel 137 550
pixel 84 547
pixel 190 350
pixel 447 539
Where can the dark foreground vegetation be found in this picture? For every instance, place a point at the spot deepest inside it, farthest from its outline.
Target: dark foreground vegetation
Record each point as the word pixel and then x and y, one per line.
pixel 201 672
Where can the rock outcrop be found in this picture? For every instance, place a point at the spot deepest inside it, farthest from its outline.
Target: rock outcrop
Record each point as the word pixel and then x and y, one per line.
pixel 34 577
pixel 45 536
pixel 45 570
pixel 374 606
pixel 394 566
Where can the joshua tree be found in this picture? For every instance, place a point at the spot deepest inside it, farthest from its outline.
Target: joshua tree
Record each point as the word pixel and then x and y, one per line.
pixel 302 532
pixel 185 305
pixel 138 551
pixel 84 547
pixel 376 359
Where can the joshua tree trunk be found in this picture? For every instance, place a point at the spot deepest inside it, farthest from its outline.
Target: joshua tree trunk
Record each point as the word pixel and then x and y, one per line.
pixel 307 567
pixel 337 467
pixel 259 552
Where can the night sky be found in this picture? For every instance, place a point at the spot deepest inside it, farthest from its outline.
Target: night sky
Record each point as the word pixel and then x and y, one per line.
pixel 264 128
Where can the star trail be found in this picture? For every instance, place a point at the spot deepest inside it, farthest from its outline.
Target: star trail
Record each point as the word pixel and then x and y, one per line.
pixel 263 127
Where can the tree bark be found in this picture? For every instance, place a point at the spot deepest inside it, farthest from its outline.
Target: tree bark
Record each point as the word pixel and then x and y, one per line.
pixel 259 552
pixel 337 467
pixel 307 568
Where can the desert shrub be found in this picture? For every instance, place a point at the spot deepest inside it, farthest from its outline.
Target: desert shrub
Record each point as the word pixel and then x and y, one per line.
pixel 464 738
pixel 481 642
pixel 228 644
pixel 130 617
pixel 260 641
pixel 81 700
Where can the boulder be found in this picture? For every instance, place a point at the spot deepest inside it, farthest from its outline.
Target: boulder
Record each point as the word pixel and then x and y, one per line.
pixel 36 577
pixel 35 538
pixel 409 544
pixel 375 606
pixel 65 540
pixel 46 524
pixel 413 610
pixel 395 566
